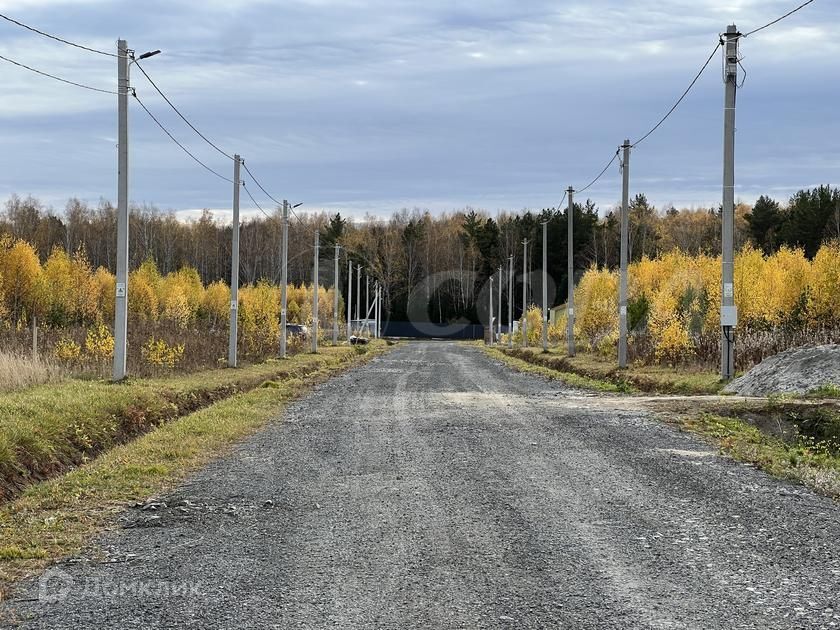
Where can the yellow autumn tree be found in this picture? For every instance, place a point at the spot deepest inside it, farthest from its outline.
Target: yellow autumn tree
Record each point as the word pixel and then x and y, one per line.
pixel 596 316
pixel 259 317
pixel 143 304
pixel 215 305
pixel 824 289
pixel 21 277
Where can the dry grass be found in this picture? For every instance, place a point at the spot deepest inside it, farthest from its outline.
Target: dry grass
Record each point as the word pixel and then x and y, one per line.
pixel 20 372
pixel 55 518
pixel 48 429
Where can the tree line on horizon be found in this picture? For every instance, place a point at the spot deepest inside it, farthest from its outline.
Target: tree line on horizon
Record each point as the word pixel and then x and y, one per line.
pixel 467 246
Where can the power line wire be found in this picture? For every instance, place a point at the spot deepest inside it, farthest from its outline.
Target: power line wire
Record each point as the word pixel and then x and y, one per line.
pixel 183 148
pixel 777 20
pixel 600 175
pixel 56 38
pixel 680 99
pixel 259 207
pixel 177 111
pixel 275 200
pixel 52 76
pixel 259 185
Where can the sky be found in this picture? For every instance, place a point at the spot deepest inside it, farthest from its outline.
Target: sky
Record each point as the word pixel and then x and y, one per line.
pixel 368 107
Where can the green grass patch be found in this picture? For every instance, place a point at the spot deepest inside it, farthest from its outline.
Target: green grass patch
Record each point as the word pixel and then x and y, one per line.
pixel 812 462
pixel 825 391
pixel 49 429
pixel 55 518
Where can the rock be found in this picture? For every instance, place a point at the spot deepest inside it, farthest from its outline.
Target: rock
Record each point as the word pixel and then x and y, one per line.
pixel 154 506
pixel 268 503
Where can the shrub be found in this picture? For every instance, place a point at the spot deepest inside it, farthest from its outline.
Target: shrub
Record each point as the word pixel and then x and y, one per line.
pixel 99 343
pixel 67 350
pixel 157 353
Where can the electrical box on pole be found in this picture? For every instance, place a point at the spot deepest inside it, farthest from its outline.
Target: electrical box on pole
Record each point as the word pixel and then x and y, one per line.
pixel 728 310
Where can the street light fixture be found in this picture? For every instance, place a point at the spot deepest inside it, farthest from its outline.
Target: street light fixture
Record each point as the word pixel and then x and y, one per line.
pixel 146 55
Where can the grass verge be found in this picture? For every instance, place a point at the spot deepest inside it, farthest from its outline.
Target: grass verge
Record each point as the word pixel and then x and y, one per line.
pixel 525 364
pixel 812 462
pixel 49 429
pixel 54 519
pixel 646 378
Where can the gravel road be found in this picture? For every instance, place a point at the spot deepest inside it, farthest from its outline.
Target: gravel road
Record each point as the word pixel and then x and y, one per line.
pixel 435 488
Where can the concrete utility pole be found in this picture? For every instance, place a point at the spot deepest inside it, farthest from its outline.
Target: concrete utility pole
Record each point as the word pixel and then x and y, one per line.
pixel 121 300
pixel 728 310
pixel 234 266
pixel 335 298
pixel 510 302
pixel 490 312
pixel 499 322
pixel 348 306
pixel 545 288
pixel 315 284
pixel 625 236
pixel 358 291
pixel 525 293
pixel 284 276
pixel 570 302
pixel 367 302
pixel 376 310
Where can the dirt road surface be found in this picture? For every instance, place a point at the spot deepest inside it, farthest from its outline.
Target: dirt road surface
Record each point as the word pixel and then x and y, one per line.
pixel 435 488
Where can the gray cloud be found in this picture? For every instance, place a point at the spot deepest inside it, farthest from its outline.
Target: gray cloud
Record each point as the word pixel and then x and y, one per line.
pixel 377 105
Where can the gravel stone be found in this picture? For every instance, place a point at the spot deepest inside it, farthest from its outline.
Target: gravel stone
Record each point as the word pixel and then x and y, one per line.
pixel 796 371
pixel 435 488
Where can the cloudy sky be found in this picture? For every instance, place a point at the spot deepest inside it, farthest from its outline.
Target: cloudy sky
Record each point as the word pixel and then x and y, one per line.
pixel 368 106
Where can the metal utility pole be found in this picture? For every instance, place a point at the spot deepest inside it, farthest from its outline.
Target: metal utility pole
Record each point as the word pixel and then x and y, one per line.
pixel 234 266
pixel 284 276
pixel 510 302
pixel 121 301
pixel 545 288
pixel 499 322
pixel 728 310
pixel 525 293
pixel 335 298
pixel 348 306
pixel 570 302
pixel 490 312
pixel 315 284
pixel 625 236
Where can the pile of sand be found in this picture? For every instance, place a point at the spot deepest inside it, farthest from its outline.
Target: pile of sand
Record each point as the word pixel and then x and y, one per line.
pixel 796 371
